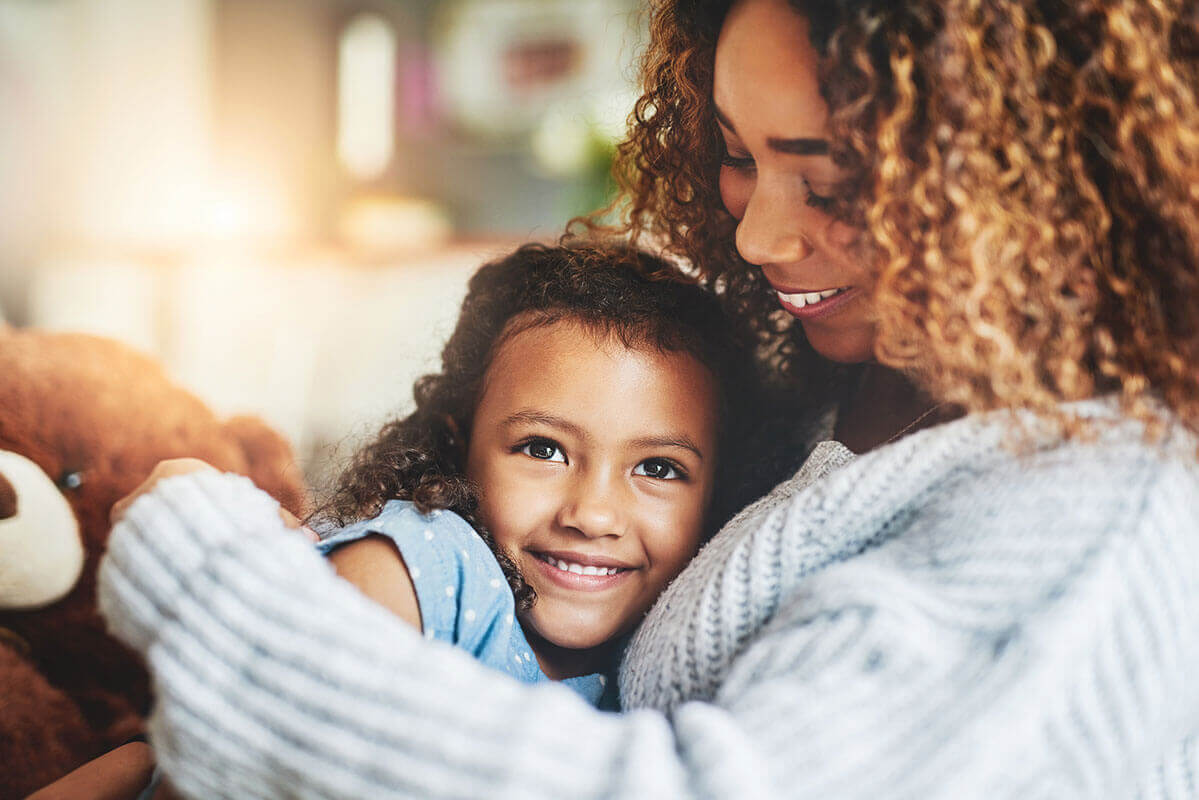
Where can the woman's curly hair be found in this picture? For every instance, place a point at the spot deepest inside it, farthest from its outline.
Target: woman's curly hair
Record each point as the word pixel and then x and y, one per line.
pixel 1025 175
pixel 615 290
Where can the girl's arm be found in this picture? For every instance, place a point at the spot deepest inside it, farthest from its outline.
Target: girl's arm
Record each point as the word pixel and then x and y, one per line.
pixel 375 566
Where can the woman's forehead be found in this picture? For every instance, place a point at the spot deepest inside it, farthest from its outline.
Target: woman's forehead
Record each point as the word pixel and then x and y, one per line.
pixel 765 75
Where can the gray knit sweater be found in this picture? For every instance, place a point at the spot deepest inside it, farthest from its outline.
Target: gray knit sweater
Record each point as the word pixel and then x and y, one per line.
pixel 938 618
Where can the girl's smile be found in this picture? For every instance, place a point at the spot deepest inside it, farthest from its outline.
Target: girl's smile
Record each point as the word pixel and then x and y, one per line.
pixel 595 463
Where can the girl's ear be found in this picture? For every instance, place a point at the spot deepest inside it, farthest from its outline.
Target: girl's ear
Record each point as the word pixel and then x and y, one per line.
pixel 455 434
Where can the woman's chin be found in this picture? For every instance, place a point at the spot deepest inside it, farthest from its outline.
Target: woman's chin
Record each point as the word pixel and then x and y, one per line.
pixel 844 344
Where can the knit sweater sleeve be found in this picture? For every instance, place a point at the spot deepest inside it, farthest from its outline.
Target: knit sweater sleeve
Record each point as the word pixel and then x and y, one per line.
pixel 275 678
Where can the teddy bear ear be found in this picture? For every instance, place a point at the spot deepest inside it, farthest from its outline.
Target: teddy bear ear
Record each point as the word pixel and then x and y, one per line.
pixel 270 462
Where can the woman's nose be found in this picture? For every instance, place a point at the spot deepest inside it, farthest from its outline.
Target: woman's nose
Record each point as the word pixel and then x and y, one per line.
pixel 771 229
pixel 593 508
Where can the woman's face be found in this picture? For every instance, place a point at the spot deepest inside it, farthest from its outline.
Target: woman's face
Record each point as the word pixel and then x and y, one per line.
pixel 776 177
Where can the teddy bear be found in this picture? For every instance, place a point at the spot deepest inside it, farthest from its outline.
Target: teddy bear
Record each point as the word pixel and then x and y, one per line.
pixel 83 420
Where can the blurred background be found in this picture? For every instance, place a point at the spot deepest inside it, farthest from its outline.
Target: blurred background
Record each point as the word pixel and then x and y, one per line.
pixel 282 200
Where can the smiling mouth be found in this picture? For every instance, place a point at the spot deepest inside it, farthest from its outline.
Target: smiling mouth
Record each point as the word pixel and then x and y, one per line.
pixel 802 299
pixel 576 568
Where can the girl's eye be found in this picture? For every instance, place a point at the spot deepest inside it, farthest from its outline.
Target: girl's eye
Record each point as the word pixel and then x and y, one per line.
pixel 543 450
pixel 659 468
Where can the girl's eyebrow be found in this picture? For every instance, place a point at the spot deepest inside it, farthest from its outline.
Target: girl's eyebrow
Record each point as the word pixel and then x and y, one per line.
pixel 799 146
pixel 682 441
pixel 532 416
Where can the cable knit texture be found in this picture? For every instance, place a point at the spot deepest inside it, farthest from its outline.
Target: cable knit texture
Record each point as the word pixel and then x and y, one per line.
pixel 941 617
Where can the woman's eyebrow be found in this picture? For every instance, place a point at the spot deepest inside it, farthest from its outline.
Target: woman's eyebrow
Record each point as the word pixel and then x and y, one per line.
pixel 800 146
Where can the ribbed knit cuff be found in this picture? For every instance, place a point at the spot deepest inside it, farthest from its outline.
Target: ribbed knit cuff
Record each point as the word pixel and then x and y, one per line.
pixel 165 536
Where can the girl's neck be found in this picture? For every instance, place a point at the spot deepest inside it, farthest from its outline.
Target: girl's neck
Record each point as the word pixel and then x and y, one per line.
pixel 559 663
pixel 884 406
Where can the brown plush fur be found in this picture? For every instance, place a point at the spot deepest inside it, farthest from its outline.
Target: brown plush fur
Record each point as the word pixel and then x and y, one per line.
pixel 81 404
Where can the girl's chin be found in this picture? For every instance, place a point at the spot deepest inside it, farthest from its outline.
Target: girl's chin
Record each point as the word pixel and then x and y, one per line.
pixel 571 635
pixel 571 640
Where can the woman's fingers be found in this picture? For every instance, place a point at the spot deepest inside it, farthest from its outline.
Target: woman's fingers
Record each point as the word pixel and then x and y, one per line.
pixel 292 521
pixel 164 469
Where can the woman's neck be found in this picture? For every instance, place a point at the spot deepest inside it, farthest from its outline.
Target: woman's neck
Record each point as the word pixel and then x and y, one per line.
pixel 886 405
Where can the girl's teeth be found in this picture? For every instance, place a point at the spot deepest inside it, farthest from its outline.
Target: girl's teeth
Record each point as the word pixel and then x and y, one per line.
pixel 579 569
pixel 801 299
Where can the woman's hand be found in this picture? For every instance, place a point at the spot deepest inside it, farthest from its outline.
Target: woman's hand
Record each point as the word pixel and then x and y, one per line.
pixel 164 469
pixel 119 774
pixel 184 466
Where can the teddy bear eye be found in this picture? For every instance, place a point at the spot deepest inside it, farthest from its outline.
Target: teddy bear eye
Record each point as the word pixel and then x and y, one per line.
pixel 70 479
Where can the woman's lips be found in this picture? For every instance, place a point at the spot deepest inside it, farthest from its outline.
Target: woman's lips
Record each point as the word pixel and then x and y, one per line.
pixel 816 304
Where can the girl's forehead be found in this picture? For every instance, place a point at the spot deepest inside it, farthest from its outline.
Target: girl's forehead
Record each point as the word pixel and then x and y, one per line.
pixel 591 359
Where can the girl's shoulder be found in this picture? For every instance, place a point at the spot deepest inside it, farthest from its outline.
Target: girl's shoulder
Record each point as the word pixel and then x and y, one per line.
pixel 400 519
pixel 464 598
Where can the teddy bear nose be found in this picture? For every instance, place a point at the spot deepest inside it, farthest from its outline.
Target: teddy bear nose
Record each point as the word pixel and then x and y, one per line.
pixel 8 498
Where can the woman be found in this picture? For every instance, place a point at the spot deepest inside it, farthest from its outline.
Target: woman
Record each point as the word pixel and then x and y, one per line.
pixel 994 199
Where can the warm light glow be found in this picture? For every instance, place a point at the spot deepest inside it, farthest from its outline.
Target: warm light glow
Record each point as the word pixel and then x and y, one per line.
pixel 366 70
pixel 236 210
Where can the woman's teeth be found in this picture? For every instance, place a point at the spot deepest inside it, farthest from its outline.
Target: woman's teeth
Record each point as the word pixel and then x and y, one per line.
pixel 578 569
pixel 801 299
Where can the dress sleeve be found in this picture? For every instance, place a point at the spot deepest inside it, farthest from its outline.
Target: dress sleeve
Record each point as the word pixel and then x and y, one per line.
pixel 463 596
pixel 274 678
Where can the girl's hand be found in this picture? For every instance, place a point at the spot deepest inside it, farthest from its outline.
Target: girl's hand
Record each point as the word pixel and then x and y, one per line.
pixel 183 466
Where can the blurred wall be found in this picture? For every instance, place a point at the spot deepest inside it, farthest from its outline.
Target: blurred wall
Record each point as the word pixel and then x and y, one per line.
pixel 170 176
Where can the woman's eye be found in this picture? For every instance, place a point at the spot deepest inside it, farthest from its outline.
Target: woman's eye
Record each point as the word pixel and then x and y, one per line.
pixel 817 201
pixel 658 468
pixel 727 159
pixel 543 450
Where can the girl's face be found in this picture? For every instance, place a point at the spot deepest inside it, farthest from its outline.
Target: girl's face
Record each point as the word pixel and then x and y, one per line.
pixel 595 464
pixel 777 177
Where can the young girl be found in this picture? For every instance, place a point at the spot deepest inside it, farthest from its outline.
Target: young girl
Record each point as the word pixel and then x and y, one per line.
pixel 574 433
pixel 581 440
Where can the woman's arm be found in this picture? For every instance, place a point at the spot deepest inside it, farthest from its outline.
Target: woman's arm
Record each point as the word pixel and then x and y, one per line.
pixel 274 678
pixel 373 564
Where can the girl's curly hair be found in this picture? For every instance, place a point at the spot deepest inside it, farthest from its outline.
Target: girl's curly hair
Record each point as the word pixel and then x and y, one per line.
pixel 641 300
pixel 1025 175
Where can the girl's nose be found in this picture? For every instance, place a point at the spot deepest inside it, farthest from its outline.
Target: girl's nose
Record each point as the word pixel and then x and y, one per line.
pixel 771 229
pixel 593 508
